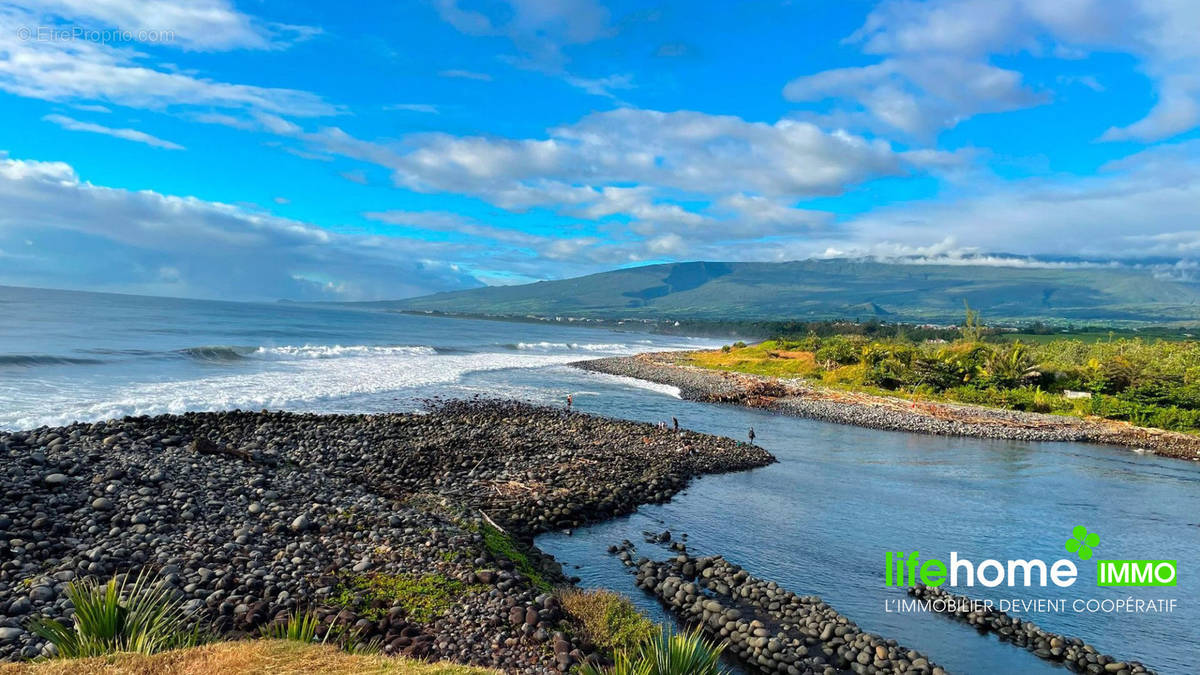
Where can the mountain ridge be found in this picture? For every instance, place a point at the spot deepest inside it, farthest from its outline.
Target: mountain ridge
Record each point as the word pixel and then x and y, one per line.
pixel 838 289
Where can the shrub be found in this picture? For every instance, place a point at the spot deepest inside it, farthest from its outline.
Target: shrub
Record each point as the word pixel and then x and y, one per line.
pixel 142 616
pixel 667 653
pixel 838 351
pixel 609 619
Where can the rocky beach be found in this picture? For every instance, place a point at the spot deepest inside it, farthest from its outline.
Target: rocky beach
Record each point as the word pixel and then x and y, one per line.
pixel 768 627
pixel 804 399
pixel 1073 653
pixel 412 529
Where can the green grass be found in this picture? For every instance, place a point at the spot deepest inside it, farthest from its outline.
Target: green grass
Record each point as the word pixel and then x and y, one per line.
pixel 500 545
pixel 609 619
pixel 423 598
pixel 138 614
pixel 766 358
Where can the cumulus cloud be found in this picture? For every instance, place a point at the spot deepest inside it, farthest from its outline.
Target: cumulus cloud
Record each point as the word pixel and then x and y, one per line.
pixel 72 233
pixel 134 135
pixel 689 151
pixel 935 67
pixel 658 182
pixel 921 95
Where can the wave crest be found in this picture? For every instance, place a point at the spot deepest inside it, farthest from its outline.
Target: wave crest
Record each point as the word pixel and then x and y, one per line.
pixel 335 351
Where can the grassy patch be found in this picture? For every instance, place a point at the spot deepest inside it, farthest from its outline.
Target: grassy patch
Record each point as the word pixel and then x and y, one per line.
pixel 609 619
pixel 501 545
pixel 766 358
pixel 423 598
pixel 255 656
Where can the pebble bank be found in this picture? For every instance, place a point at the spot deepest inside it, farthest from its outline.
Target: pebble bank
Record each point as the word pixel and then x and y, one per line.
pixel 377 522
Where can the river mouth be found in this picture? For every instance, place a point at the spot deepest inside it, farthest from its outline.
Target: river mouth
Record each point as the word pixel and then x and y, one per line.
pixel 821 520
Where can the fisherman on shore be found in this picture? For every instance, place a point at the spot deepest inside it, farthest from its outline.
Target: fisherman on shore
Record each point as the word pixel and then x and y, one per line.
pixel 569 401
pixel 751 434
pixel 675 421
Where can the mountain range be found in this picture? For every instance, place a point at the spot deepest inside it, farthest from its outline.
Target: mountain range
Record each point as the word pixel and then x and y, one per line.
pixel 842 289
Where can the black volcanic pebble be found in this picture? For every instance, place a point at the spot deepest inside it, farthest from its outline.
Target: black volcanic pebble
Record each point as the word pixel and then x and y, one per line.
pixel 250 515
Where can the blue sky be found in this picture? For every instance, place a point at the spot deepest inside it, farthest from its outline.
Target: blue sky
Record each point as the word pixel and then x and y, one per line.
pixel 307 150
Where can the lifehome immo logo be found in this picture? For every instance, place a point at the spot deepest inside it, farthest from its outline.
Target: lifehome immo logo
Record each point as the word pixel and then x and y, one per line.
pixel 906 569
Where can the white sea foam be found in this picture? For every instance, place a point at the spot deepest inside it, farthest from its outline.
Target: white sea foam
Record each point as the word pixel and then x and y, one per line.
pixel 297 377
pixel 282 377
pixel 617 347
pixel 335 351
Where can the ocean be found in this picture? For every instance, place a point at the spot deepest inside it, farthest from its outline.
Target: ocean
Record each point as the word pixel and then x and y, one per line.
pixel 67 356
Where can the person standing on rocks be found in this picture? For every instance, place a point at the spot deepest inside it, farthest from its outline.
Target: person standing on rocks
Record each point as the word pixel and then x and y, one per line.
pixel 751 434
pixel 569 402
pixel 675 421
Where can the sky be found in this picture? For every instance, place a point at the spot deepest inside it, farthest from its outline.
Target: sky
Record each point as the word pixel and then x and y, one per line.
pixel 263 149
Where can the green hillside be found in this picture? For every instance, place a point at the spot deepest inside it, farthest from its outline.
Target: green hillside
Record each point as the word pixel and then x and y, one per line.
pixel 851 289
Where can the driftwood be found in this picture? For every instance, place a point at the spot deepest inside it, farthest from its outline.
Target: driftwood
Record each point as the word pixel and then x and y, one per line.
pixel 204 446
pixel 492 522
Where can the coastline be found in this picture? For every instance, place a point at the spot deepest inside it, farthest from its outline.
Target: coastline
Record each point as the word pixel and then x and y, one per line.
pixel 415 529
pixel 805 399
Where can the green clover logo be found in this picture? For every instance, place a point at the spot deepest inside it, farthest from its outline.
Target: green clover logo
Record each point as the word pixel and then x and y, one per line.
pixel 1081 542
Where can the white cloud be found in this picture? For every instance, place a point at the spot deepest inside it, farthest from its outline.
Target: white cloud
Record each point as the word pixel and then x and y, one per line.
pixel 539 247
pixel 690 151
pixel 1141 206
pixel 920 95
pixel 89 236
pixel 935 68
pixel 134 135
pixel 192 24
pixel 655 181
pixel 90 72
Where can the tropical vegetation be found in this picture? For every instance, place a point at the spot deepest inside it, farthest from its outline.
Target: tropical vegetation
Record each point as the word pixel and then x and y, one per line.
pixel 1152 383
